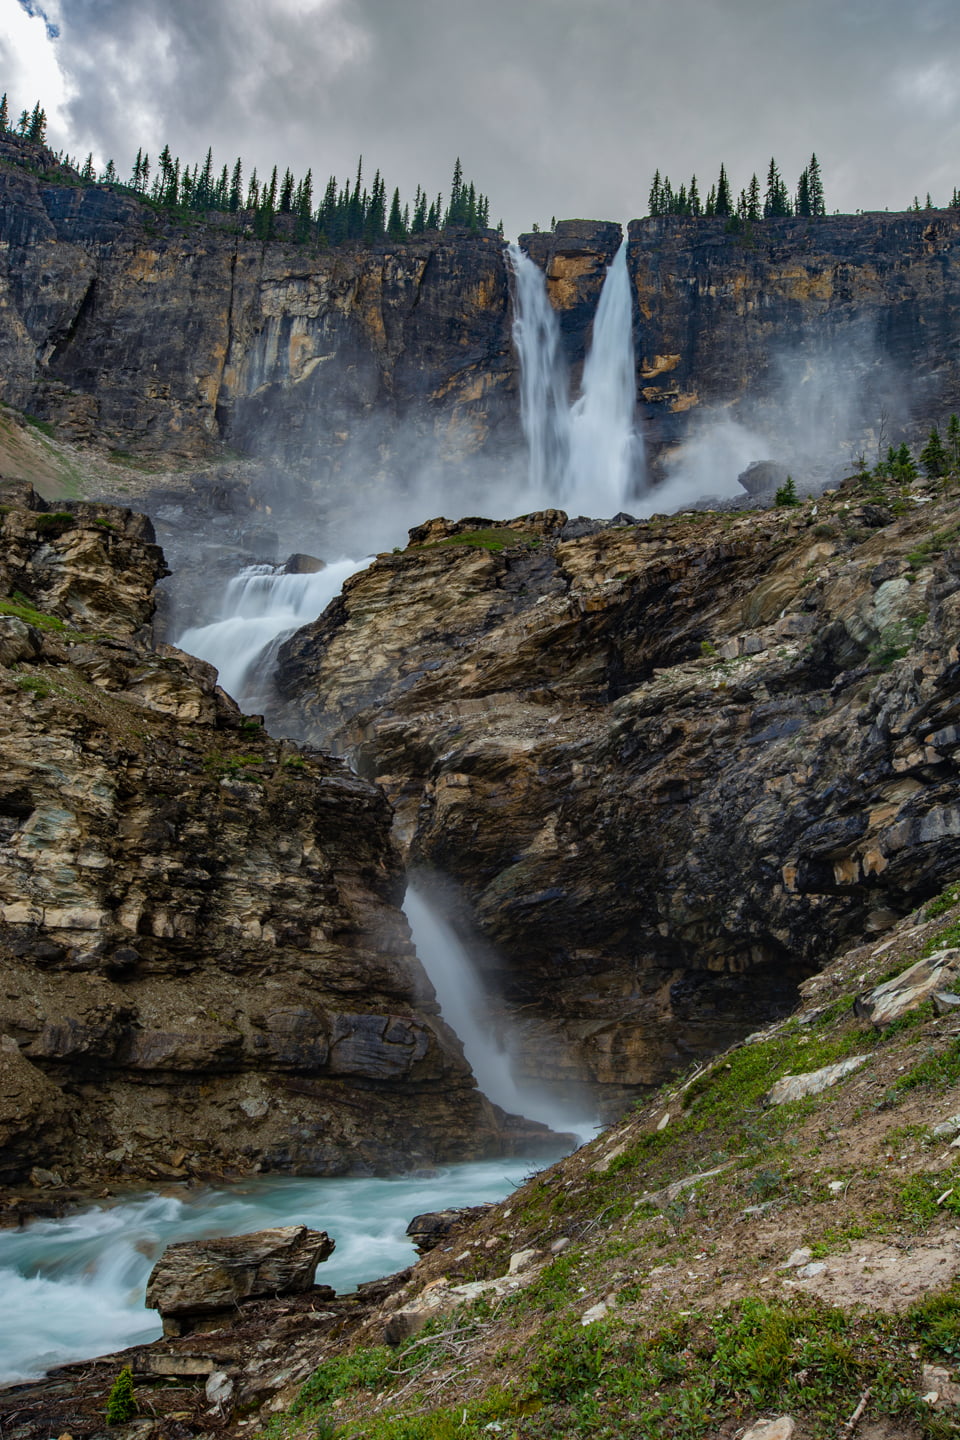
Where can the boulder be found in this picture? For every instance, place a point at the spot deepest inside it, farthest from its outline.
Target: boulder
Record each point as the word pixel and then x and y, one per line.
pixel 427 1230
pixel 763 477
pixel 910 988
pixel 203 1277
pixel 795 1087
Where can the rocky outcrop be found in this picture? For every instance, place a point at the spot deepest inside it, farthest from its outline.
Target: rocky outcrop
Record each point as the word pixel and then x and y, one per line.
pixel 196 1282
pixel 205 964
pixel 669 766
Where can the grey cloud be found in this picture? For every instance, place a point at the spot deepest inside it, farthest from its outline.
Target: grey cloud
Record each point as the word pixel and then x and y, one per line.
pixel 556 106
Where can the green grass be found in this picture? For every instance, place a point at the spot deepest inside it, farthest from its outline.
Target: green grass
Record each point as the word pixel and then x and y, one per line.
pixel 43 426
pixel 493 540
pixel 944 901
pixel 20 607
pixel 55 522
pixel 934 546
pixel 222 765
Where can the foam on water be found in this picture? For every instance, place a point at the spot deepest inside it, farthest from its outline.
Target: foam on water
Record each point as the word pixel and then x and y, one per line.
pixel 73 1288
pixel 262 607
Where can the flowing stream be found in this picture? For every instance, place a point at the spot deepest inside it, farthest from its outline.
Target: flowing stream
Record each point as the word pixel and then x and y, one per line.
pixel 73 1288
pixel 586 456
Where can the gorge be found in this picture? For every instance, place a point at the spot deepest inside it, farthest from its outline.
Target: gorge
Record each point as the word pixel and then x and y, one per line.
pixel 653 771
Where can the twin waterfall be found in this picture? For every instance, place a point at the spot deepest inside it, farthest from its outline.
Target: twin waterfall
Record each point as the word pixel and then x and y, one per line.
pixel 74 1287
pixel 585 457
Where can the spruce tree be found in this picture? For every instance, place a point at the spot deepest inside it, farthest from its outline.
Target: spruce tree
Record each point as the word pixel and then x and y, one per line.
pixel 236 187
pixel 818 206
pixel 802 206
pixel 286 193
pixel 37 125
pixel 723 205
pixel 396 229
pixel 4 115
pixel 753 199
pixel 953 440
pixel 933 456
pixel 654 198
pixel 693 197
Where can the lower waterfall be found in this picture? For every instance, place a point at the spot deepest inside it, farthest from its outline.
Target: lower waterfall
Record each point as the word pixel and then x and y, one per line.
pixel 491 1046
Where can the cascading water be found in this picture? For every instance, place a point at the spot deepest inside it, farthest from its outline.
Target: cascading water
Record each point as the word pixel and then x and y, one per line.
pixel 73 1288
pixel 588 456
pixel 262 607
pixel 466 1007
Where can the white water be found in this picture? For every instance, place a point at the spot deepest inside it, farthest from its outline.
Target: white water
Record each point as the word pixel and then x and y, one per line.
pixel 490 1046
pixel 74 1288
pixel 262 607
pixel 586 457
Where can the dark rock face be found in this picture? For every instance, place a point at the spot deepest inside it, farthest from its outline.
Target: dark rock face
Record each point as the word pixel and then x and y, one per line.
pixel 671 766
pixel 362 365
pixel 205 963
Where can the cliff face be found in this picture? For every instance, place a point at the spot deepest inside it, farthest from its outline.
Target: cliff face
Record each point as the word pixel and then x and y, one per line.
pixel 122 326
pixel 204 960
pixel 671 766
pixel 363 365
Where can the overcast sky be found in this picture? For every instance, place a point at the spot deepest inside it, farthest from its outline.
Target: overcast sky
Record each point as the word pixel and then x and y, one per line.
pixel 557 107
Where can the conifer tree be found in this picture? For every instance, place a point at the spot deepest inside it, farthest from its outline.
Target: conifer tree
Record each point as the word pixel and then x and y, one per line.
pixel 654 198
pixel 37 125
pixel 395 226
pixel 802 206
pixel 753 199
pixel 4 115
pixel 88 172
pixel 818 206
pixel 304 206
pixel 776 203
pixel 236 187
pixel 933 456
pixel 723 205
pixel 953 440
pixel 253 191
pixel 710 208
pixel 693 198
pixel 286 193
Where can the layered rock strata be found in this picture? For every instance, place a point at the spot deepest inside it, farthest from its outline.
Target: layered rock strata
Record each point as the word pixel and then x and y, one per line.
pixel 364 365
pixel 204 960
pixel 670 766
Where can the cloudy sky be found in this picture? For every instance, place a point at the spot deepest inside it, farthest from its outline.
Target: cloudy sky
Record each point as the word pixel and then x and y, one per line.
pixel 557 107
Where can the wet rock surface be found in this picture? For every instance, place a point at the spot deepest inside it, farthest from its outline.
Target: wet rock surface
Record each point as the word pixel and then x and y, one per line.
pixel 195 1279
pixel 205 964
pixel 670 766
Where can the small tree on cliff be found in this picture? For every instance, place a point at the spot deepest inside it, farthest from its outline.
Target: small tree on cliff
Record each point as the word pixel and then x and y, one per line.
pixel 776 201
pixel 953 440
pixel 723 201
pixel 4 115
pixel 933 456
pixel 818 205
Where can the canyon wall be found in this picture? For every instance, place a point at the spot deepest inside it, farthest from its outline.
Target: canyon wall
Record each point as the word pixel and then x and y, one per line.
pixel 205 966
pixel 363 365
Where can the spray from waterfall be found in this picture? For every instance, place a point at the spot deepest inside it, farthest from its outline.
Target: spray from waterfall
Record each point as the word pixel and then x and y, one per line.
pixel 586 456
pixel 466 1006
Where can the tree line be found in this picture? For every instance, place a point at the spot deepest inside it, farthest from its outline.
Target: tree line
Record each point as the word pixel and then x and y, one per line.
pixel 776 201
pixel 349 211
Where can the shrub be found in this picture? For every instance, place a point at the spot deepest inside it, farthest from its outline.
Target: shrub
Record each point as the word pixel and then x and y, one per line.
pixel 122 1402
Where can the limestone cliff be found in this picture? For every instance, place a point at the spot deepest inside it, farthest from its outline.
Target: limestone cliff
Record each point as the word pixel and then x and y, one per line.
pixel 670 765
pixel 204 961
pixel 360 364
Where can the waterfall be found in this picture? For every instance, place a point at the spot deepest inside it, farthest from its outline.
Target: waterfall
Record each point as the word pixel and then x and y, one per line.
pixel 262 607
pixel 466 1006
pixel 544 382
pixel 588 456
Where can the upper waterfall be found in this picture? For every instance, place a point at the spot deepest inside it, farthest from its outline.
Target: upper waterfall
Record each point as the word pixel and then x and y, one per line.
pixel 586 456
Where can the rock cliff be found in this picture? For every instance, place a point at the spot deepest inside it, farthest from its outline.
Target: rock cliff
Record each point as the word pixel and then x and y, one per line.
pixel 672 765
pixel 362 366
pixel 204 961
